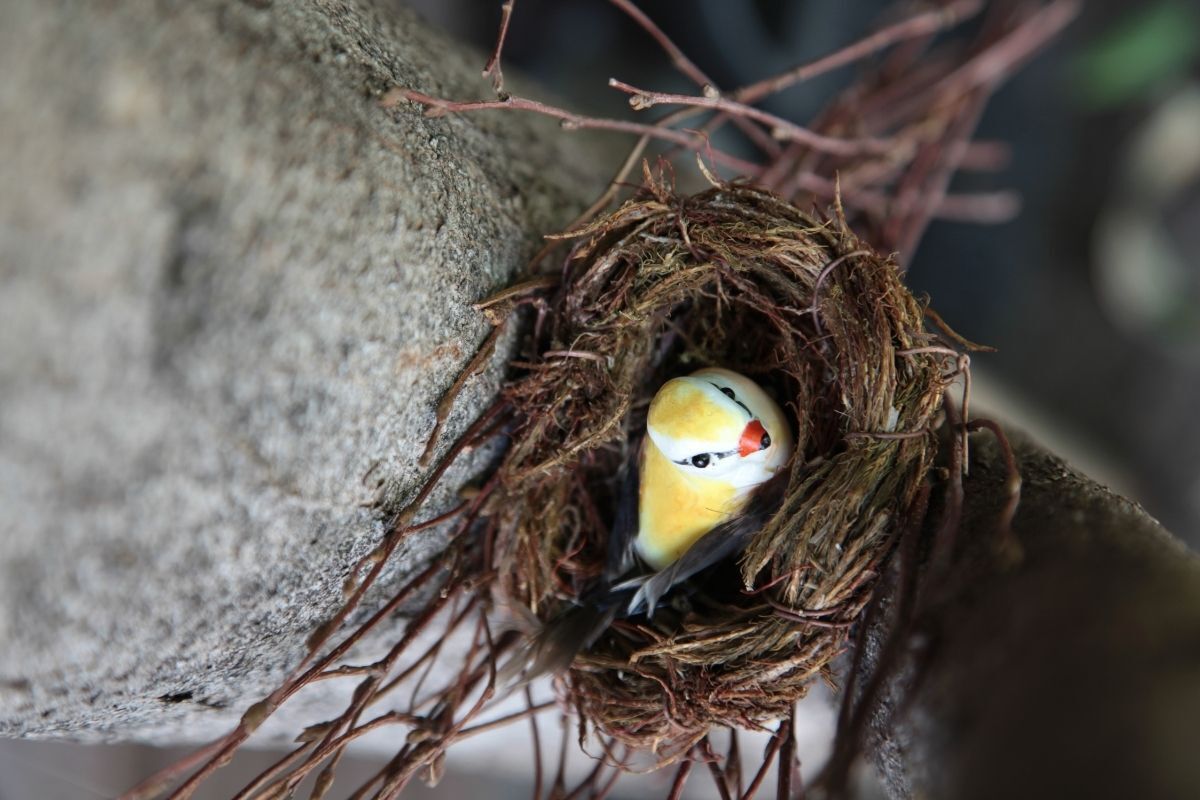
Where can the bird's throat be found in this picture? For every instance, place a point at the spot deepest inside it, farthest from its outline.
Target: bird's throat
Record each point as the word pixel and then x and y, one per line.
pixel 676 509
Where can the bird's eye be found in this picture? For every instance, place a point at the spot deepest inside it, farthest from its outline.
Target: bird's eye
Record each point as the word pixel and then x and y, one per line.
pixel 727 392
pixel 766 441
pixel 700 461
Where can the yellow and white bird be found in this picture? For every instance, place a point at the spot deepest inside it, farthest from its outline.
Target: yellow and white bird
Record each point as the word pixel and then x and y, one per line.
pixel 714 438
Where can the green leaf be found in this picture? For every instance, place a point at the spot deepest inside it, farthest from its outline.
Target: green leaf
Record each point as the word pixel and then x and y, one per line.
pixel 1143 51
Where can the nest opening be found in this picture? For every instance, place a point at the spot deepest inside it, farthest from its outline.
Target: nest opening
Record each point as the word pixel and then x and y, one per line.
pixel 739 278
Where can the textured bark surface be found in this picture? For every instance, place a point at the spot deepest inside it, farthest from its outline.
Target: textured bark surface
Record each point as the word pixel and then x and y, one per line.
pixel 1074 674
pixel 234 289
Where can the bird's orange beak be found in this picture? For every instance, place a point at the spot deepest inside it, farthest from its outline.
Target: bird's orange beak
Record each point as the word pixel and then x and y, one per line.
pixel 754 438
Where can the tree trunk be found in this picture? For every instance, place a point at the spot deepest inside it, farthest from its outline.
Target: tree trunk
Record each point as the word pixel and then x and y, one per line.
pixel 1074 673
pixel 235 288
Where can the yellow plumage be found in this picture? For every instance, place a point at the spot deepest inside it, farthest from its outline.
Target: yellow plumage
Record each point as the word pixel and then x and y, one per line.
pixel 675 510
pixel 682 410
pixel 712 437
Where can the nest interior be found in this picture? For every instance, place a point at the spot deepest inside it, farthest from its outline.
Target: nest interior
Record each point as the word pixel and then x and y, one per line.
pixel 740 278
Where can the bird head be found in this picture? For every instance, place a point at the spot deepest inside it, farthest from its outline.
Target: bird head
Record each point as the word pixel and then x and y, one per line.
pixel 721 425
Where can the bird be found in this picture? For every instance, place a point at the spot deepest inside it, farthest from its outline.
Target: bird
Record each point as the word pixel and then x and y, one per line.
pixel 711 437
pixel 710 471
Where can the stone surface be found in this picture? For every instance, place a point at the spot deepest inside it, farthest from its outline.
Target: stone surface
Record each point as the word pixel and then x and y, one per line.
pixel 232 291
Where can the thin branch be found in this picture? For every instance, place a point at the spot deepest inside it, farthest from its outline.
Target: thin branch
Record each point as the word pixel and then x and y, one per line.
pixel 681 61
pixel 787 760
pixel 686 66
pixel 780 128
pixel 476 365
pixel 773 745
pixel 537 744
pixel 571 121
pixel 733 763
pixel 924 24
pixel 681 776
pixel 1012 486
pixel 718 775
pixel 492 68
pixel 153 785
pixel 508 719
pixel 997 62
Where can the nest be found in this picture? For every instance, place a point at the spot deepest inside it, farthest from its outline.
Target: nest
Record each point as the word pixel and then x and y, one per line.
pixel 740 278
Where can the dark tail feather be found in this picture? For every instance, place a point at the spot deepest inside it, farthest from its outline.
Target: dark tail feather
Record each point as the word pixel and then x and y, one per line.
pixel 554 647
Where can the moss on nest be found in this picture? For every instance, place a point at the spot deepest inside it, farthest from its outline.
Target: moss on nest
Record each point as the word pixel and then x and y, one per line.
pixel 740 278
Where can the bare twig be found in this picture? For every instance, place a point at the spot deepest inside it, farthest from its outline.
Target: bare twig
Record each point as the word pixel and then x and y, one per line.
pixel 680 780
pixel 914 27
pixel 780 128
pixel 476 365
pixel 772 750
pixel 685 65
pixel 492 68
pixel 573 121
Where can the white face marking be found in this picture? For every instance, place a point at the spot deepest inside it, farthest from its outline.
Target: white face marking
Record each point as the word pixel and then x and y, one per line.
pixel 723 422
pixel 741 399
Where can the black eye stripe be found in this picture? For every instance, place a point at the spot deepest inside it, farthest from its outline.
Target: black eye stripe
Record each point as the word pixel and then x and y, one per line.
pixel 725 390
pixel 690 462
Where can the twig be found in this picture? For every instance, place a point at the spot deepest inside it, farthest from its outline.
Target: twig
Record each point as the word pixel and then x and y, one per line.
pixel 537 744
pixel 1012 486
pixel 492 68
pixel 476 365
pixel 787 760
pixel 172 772
pixel 924 24
pixel 772 749
pixel 780 128
pixel 507 719
pixel 572 121
pixel 856 707
pixel 733 763
pixel 681 776
pixel 685 65
pixel 273 771
pixel 824 273
pixel 718 775
pixel 999 61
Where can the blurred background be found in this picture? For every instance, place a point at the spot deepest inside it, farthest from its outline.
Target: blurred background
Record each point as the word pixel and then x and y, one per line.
pixel 1091 295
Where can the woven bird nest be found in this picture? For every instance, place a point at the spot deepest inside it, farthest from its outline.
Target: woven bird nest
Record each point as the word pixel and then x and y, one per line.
pixel 739 278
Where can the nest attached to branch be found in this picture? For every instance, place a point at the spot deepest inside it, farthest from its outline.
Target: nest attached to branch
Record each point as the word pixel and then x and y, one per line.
pixel 740 278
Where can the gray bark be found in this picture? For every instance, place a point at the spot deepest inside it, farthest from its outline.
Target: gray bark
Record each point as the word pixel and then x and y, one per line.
pixel 1075 673
pixel 234 289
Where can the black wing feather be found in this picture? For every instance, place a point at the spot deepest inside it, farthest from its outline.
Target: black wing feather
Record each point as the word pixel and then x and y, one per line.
pixel 621 538
pixel 724 540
